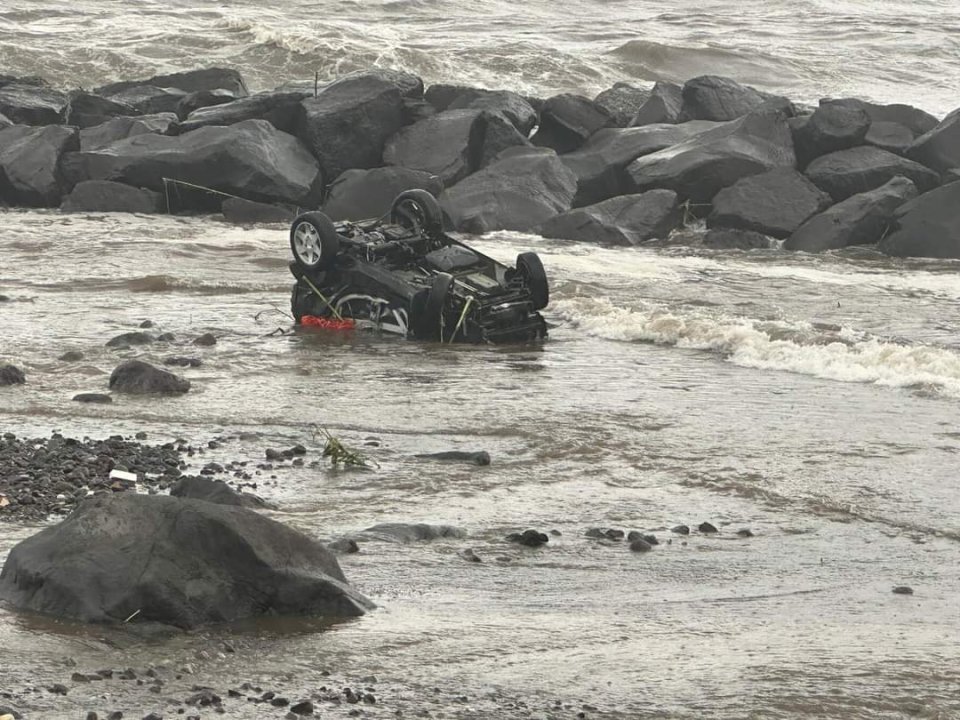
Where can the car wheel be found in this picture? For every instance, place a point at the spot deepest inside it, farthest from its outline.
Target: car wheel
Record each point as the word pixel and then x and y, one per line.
pixel 434 307
pixel 535 278
pixel 314 240
pixel 417 210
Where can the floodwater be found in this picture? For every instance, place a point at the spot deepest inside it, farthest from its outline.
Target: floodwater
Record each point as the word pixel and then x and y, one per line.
pixel 812 400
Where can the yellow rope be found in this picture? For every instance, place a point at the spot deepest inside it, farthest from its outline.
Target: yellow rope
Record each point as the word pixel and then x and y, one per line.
pixel 322 297
pixel 463 315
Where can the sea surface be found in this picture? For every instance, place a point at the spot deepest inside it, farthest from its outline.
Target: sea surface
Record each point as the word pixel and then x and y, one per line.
pixel 812 399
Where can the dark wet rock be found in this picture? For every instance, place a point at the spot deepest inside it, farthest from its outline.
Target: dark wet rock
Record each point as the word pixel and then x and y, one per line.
pixel 939 149
pixel 304 707
pixel 481 457
pixel 448 145
pixel 640 545
pixel 206 340
pixel 710 97
pixel 502 102
pixel 411 532
pixel 208 98
pixel 215 491
pixel 519 190
pixel 251 159
pixel 361 194
pixel 707 528
pixel 149 99
pixel 189 82
pixel 859 169
pixel 71 356
pixel 624 220
pixel 4 298
pixel 440 95
pixel 470 555
pixel 604 533
pixel 107 196
pixel 734 239
pixel 96 398
pixel 903 590
pixel 204 698
pixel 499 135
pixel 128 339
pixel 153 716
pixel 917 121
pixel 140 378
pixel 890 136
pixel 280 109
pixel 859 220
pixel 31 104
pixel 30 164
pixel 830 128
pixel 774 203
pixel 58 689
pixel 566 121
pixel 745 533
pixel 178 562
pixel 166 337
pixel 928 226
pixel 11 375
pixel 84 109
pixel 120 128
pixel 248 212
pixel 622 102
pixel 600 163
pixel 530 538
pixel 680 529
pixel 348 123
pixel 416 110
pixel 664 105
pixel 180 361
pixel 698 168
pixel 344 546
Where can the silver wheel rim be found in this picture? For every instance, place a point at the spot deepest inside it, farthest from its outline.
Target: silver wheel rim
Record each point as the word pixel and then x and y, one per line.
pixel 306 242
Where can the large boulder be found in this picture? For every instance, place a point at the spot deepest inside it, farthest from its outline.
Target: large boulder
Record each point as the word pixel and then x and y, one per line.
pixel 698 168
pixel 448 145
pixel 890 136
pixel 710 97
pixel 918 121
pixel 139 378
pixel 522 188
pixel 360 194
pixel 566 121
pixel 11 375
pixel 928 226
pixel 149 100
pixel 848 172
pixel 622 102
pixel 189 82
pixel 664 105
pixel 85 109
pixel 207 98
pixel 512 106
pixel 939 148
pixel 120 128
pixel 280 109
pixel 441 95
pixel 859 220
pixel 30 163
pixel 108 196
pixel 348 123
pixel 599 164
pixel 624 220
pixel 248 212
pixel 195 487
pixel 774 203
pixel 147 558
pixel 32 104
pixel 831 127
pixel 251 159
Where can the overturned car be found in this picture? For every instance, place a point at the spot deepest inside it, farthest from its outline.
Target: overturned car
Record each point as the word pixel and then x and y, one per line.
pixel 402 274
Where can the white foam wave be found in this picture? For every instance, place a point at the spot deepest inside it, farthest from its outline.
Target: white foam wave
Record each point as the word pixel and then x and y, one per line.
pixel 832 353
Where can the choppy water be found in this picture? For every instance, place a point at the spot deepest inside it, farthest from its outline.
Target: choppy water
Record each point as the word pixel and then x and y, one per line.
pixel 811 399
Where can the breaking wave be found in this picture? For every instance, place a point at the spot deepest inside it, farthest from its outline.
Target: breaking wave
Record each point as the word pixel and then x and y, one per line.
pixel 830 352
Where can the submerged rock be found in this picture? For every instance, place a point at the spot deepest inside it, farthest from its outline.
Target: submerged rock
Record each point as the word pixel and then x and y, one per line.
pixel 184 563
pixel 530 538
pixel 707 528
pixel 411 532
pixel 140 378
pixel 97 398
pixel 107 196
pixel 481 457
pixel 127 339
pixel 11 375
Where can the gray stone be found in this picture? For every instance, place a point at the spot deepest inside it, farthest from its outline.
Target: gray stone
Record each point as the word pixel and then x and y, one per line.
pixel 522 188
pixel 31 104
pixel 139 378
pixel 773 203
pixel 120 128
pixel 362 194
pixel 928 226
pixel 215 491
pixel 622 102
pixel 150 100
pixel 711 97
pixel 918 121
pixel 11 375
pixel 623 220
pixel 698 168
pixel 248 212
pixel 208 98
pixel 280 109
pixel 890 136
pixel 30 164
pixel 189 82
pixel 85 109
pixel 448 145
pixel 736 239
pixel 848 172
pixel 664 105
pixel 830 128
pixel 107 196
pixel 512 106
pixel 939 149
pixel 128 339
pixel 95 398
pixel 566 121
pixel 411 532
pixel 860 219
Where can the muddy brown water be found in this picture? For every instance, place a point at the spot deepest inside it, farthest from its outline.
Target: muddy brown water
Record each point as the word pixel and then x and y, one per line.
pixel 812 400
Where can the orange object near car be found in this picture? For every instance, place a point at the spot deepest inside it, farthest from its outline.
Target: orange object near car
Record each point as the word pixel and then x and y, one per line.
pixel 327 323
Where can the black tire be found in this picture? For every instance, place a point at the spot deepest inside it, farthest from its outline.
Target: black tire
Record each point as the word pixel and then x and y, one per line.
pixel 428 325
pixel 535 278
pixel 419 211
pixel 314 240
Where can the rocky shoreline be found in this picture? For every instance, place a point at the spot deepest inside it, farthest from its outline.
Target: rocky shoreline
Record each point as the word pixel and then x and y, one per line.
pixel 629 166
